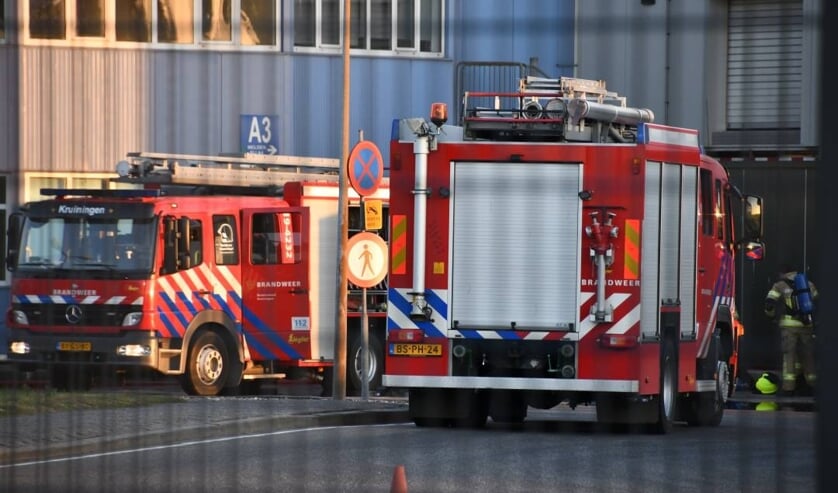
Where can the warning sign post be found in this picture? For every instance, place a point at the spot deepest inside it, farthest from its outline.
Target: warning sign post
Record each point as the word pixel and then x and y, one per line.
pixel 366 252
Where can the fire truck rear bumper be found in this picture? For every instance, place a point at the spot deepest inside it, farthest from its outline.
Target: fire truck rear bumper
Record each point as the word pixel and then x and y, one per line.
pixel 127 349
pixel 512 383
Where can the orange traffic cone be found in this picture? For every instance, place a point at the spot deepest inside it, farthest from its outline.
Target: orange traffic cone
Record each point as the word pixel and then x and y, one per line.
pixel 399 484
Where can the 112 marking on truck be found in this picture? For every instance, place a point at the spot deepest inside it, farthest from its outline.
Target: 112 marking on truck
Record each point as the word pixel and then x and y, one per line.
pixel 558 246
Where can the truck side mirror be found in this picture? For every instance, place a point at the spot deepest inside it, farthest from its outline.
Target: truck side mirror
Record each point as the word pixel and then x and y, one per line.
pixel 753 217
pixel 170 244
pixel 754 250
pixel 13 240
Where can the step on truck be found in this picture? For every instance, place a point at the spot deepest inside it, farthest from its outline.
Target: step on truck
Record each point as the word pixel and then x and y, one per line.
pixel 558 246
pixel 219 270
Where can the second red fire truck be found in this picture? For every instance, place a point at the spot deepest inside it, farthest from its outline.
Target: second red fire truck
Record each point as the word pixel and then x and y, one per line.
pixel 558 246
pixel 220 270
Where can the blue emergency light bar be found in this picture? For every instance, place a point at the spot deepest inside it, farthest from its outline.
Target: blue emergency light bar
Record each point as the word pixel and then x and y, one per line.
pixel 648 133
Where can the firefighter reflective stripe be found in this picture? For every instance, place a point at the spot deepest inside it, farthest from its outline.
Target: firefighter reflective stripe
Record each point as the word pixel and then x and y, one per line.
pixel 623 321
pixel 179 293
pixel 398 245
pixel 66 300
pixel 631 262
pixel 399 309
pixel 627 316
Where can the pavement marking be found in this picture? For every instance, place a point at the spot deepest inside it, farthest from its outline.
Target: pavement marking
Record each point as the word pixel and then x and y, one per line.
pixel 188 444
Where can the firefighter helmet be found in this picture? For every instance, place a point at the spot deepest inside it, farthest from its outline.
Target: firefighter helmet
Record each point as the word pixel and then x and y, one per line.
pixel 767 383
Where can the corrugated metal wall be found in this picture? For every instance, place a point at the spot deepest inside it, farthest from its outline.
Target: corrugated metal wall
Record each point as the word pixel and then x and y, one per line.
pixel 85 107
pixel 788 189
pixel 81 109
pixel 9 115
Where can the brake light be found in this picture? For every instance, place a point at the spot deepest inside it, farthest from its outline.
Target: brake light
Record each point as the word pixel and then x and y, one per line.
pixel 617 341
pixel 406 335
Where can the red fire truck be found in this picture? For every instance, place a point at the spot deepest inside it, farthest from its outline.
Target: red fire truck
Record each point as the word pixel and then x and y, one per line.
pixel 221 270
pixel 560 247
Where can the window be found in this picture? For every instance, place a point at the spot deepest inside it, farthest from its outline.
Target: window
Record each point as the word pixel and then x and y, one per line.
pixel 305 23
pixel 182 244
pixel 216 20
pixel 381 25
pixel 90 18
pixel 258 21
pixel 728 220
pixel 430 26
pixel 107 245
pixel 176 21
pixel 2 21
pixel 392 26
pixel 196 244
pixel 47 19
pixel 35 181
pixel 276 238
pixel 405 28
pixel 718 210
pixel 706 203
pixel 226 244
pixel 133 22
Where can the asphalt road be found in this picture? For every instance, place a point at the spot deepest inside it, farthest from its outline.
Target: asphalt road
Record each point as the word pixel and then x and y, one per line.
pixel 558 450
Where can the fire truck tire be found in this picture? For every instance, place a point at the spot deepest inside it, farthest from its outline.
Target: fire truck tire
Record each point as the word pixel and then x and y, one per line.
pixel 655 415
pixel 208 365
pixel 474 409
pixel 354 362
pixel 507 407
pixel 668 387
pixel 707 408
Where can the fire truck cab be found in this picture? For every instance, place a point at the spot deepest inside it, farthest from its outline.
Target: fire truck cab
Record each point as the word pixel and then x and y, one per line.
pixel 558 246
pixel 220 270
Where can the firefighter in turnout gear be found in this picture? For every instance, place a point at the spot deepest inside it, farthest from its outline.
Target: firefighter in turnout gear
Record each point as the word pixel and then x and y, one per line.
pixel 791 306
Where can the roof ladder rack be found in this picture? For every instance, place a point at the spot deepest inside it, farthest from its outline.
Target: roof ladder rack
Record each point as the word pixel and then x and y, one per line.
pixel 249 170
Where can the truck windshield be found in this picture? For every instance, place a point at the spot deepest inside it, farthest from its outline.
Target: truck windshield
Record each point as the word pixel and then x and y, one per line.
pixel 80 244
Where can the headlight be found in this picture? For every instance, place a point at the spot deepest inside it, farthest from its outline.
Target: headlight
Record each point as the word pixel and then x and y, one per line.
pixel 19 347
pixel 19 317
pixel 135 350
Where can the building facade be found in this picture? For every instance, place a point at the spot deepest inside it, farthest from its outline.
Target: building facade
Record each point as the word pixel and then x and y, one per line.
pixel 86 81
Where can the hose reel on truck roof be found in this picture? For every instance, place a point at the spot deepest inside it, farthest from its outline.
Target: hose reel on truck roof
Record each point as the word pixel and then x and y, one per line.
pixel 566 109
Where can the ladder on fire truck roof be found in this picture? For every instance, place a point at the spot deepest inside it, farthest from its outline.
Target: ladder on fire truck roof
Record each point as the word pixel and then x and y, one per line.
pixel 571 87
pixel 245 171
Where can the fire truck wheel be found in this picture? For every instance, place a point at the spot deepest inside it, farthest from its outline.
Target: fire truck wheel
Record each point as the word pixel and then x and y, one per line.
pixel 507 407
pixel 668 386
pixel 208 365
pixel 354 363
pixel 707 408
pixel 475 407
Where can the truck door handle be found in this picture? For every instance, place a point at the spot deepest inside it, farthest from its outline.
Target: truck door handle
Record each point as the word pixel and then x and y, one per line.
pixel 204 292
pixel 701 270
pixel 299 291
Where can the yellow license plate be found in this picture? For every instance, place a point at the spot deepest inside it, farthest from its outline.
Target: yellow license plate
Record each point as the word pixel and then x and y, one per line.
pixel 75 346
pixel 401 349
